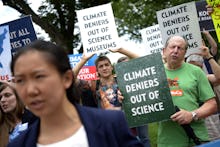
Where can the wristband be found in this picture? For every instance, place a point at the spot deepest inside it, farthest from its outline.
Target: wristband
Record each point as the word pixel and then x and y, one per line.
pixel 210 58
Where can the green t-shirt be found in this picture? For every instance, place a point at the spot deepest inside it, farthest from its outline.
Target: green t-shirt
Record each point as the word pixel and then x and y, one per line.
pixel 189 86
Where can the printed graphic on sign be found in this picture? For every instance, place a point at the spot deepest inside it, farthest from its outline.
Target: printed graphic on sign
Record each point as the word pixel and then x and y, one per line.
pixel 181 20
pixel 215 16
pixel 152 39
pixel 144 86
pixel 21 32
pixel 5 53
pixel 88 71
pixel 205 21
pixel 97 28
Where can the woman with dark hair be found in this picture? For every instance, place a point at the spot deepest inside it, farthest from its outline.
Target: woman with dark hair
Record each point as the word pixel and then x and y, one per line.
pixel 11 111
pixel 44 80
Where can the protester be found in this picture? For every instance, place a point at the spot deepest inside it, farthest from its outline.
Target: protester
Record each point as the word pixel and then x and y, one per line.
pixel 213 69
pixel 193 87
pixel 105 90
pixel 212 122
pixel 11 112
pixel 44 80
pixel 111 89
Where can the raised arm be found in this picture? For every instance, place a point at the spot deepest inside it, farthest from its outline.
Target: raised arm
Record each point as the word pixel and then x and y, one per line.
pixel 211 41
pixel 209 9
pixel 80 64
pixel 214 65
pixel 125 52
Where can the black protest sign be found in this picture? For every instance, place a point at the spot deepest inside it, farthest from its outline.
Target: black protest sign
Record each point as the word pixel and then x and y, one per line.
pixel 205 21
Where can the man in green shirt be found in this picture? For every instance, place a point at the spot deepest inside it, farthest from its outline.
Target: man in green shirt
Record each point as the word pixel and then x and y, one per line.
pixel 189 88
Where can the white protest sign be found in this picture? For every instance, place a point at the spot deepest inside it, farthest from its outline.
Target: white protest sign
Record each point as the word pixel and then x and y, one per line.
pixel 181 20
pixel 98 29
pixel 5 53
pixel 152 39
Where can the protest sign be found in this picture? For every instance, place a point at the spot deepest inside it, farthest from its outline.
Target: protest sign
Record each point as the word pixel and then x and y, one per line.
pixel 205 21
pixel 215 15
pixel 144 86
pixel 21 32
pixel 97 28
pixel 5 53
pixel 181 20
pixel 152 39
pixel 88 71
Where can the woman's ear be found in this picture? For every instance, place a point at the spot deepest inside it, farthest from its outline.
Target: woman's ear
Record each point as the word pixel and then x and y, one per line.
pixel 163 50
pixel 68 78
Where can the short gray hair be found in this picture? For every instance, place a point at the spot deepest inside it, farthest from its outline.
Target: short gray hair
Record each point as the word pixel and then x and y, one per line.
pixel 168 39
pixel 195 58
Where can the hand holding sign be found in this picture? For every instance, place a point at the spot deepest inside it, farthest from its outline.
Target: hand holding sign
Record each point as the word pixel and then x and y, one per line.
pixel 145 89
pixel 209 9
pixel 125 52
pixel 86 57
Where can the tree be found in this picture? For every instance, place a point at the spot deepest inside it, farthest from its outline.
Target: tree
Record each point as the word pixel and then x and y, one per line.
pixel 57 18
pixel 132 15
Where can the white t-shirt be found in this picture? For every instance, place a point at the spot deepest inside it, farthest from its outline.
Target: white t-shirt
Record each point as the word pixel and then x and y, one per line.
pixel 79 139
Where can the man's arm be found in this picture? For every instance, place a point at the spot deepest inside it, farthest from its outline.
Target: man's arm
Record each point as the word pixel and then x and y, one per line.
pixel 211 41
pixel 125 52
pixel 214 65
pixel 185 117
pixel 208 108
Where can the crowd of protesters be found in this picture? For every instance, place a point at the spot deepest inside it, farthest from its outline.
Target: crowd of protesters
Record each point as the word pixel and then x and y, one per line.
pixel 46 105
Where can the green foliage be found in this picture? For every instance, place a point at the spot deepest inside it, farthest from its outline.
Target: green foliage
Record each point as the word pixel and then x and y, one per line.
pixel 58 18
pixel 132 16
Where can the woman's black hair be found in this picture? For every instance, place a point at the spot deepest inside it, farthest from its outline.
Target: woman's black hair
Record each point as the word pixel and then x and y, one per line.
pixel 55 54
